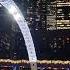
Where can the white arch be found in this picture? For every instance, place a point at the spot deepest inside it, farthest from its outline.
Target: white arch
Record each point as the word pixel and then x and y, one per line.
pixel 14 10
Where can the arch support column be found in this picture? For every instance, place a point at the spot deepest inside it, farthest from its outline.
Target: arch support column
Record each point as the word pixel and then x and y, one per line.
pixel 17 15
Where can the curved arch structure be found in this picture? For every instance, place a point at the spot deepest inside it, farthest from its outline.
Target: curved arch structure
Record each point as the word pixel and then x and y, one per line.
pixel 14 10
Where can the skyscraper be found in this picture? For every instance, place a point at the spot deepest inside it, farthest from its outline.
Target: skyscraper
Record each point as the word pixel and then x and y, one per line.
pixel 37 14
pixel 58 22
pixel 37 19
pixel 50 22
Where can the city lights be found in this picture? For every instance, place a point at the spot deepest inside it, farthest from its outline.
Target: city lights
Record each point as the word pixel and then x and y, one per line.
pixel 38 61
pixel 49 24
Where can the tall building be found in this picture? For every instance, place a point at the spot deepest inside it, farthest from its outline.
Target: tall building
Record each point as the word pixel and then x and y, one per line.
pixel 37 23
pixel 58 27
pixel 58 14
pixel 37 14
pixel 50 21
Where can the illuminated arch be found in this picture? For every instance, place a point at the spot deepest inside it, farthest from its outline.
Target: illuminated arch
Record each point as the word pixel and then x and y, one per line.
pixel 14 10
